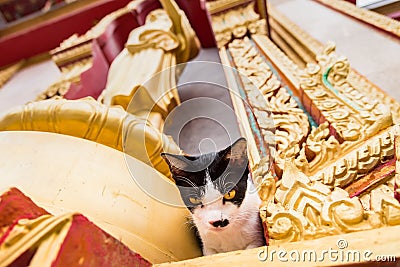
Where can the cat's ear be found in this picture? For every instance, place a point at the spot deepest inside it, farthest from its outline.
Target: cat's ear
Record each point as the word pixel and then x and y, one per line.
pixel 176 161
pixel 236 153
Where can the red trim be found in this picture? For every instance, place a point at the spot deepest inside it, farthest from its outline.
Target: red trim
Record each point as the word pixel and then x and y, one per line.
pixel 198 16
pixel 93 81
pixel 48 35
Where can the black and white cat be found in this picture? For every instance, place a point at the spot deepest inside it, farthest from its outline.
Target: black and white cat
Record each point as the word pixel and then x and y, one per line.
pixel 219 193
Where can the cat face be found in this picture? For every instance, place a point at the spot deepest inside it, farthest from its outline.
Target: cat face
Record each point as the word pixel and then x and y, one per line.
pixel 212 186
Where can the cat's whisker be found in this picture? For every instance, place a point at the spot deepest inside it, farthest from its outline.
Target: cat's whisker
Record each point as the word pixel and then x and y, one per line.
pixel 221 180
pixel 186 180
pixel 235 214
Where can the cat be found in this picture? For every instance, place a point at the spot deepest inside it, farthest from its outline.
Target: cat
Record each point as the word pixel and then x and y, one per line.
pixel 219 193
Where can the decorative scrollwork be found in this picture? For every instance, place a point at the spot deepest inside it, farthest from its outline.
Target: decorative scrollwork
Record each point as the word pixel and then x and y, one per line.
pixel 353 117
pixel 319 149
pixel 236 23
pixel 306 209
pixel 268 97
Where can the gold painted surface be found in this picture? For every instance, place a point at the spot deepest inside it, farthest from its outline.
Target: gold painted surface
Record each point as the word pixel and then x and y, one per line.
pixel 378 20
pixel 31 233
pixel 370 112
pixel 240 110
pixel 300 207
pixel 88 119
pixel 311 46
pixel 387 244
pixel 283 124
pixel 236 23
pixel 302 39
pixel 151 53
pixel 74 55
pixel 287 67
pixel 67 174
pixel 353 115
pixel 309 210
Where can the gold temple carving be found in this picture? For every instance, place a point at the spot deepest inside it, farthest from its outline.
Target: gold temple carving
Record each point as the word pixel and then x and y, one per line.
pixel 74 55
pixel 307 44
pixel 337 174
pixel 308 210
pixel 330 134
pixel 89 119
pixel 236 23
pixel 352 115
pixel 266 94
pixel 166 39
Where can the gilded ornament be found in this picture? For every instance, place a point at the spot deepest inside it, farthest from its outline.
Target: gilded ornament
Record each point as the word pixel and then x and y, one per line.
pixel 306 209
pixel 166 39
pixel 235 23
pixel 269 98
pixel 88 119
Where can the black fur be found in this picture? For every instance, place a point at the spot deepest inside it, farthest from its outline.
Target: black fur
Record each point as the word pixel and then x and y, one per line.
pixel 228 169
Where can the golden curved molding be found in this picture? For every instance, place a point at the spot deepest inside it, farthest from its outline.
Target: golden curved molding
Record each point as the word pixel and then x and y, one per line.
pixel 76 53
pixel 88 119
pixel 378 20
pixel 65 174
pixel 349 163
pixel 374 92
pixel 307 209
pixel 319 149
pixel 302 39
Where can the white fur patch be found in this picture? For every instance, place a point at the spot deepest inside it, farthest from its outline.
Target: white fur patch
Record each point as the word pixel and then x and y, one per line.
pixel 244 229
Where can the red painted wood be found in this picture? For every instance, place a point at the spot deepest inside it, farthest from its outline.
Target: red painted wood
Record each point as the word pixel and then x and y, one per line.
pixel 144 8
pixel 113 40
pixel 93 81
pixel 50 34
pixel 198 17
pixel 97 248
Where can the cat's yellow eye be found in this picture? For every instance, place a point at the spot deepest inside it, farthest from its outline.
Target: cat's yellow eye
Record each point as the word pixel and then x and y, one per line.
pixel 231 194
pixel 194 201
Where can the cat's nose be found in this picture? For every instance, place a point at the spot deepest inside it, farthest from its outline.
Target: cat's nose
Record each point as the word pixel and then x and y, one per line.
pixel 219 223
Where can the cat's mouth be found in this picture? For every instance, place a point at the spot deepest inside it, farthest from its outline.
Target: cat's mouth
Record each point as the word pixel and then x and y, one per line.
pixel 218 225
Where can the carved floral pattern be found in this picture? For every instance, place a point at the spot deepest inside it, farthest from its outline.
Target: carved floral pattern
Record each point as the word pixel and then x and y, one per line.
pixel 289 126
pixel 236 23
pixel 306 209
